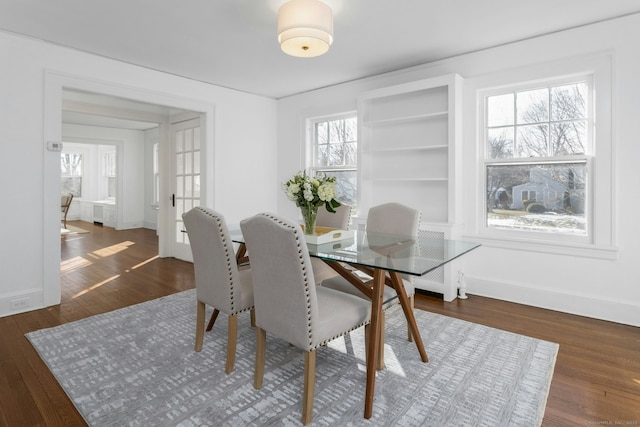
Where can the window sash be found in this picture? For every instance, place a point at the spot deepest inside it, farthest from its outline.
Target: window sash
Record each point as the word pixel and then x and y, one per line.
pixel 544 158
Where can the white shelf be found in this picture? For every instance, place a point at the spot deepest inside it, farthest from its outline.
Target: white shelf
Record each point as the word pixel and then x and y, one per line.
pixel 410 137
pixel 419 148
pixel 405 119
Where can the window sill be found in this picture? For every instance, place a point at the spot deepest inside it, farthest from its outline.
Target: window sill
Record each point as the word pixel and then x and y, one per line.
pixel 548 247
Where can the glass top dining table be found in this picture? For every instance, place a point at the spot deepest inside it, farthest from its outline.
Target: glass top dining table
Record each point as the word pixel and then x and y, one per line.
pixel 383 257
pixel 402 254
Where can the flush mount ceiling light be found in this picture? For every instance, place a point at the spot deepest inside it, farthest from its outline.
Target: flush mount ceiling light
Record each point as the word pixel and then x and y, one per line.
pixel 305 28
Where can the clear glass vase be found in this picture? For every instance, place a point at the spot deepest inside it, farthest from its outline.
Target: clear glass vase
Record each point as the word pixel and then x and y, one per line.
pixel 309 215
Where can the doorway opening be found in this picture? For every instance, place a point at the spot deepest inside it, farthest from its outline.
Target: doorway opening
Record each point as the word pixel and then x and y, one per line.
pixel 111 106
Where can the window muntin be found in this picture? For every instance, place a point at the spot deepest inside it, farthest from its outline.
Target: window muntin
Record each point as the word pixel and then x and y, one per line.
pixel 71 167
pixel 537 143
pixel 335 153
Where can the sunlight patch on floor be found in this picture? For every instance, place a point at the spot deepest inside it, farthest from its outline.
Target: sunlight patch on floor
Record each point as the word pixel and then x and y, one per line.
pixel 74 263
pixel 145 262
pixel 113 249
pixel 97 285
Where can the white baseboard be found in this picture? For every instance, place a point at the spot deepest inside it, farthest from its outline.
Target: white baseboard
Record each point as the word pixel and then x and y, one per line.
pixel 573 303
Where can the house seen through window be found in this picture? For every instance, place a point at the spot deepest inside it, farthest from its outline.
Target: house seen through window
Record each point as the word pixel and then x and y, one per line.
pixel 537 142
pixel 335 153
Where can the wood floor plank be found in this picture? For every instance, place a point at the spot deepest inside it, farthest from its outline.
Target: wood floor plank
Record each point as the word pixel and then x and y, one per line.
pixel 596 379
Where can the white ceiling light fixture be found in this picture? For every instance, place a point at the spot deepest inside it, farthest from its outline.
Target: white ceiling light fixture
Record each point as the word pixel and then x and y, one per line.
pixel 305 28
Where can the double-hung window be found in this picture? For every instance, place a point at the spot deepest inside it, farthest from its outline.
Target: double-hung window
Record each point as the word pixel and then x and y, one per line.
pixel 538 145
pixel 71 171
pixel 335 153
pixel 110 173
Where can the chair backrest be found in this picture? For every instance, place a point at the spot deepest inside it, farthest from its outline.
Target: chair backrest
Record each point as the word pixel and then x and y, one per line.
pixel 340 219
pixel 65 201
pixel 214 262
pixel 394 218
pixel 283 285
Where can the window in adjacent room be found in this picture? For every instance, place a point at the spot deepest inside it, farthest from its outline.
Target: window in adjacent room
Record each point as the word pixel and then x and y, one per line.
pixel 110 173
pixel 538 153
pixel 71 173
pixel 156 175
pixel 335 153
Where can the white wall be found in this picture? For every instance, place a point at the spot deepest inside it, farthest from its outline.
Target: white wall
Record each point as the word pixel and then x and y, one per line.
pixel 591 286
pixel 240 158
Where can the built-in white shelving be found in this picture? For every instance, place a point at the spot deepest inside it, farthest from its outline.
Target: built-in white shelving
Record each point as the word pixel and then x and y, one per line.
pixel 409 142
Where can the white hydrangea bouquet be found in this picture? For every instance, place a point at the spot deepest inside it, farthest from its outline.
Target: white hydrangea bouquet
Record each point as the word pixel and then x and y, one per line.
pixel 309 193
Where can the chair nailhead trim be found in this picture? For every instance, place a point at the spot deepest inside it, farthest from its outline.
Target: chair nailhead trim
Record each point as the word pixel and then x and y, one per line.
pixel 229 260
pixel 296 232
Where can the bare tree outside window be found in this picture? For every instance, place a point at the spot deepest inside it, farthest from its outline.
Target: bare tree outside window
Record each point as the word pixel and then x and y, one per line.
pixel 335 148
pixel 71 173
pixel 536 169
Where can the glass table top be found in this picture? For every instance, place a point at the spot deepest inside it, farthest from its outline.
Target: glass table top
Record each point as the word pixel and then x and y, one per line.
pixel 406 255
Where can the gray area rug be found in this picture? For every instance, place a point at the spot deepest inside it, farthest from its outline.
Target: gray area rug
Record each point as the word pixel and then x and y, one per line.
pixel 136 367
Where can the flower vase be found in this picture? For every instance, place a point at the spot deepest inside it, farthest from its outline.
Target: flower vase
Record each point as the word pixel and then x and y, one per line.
pixel 309 215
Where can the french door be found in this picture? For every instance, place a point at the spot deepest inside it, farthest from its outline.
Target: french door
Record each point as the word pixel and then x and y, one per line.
pixel 186 151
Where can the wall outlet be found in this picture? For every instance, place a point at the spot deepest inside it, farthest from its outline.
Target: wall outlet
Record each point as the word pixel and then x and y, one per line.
pixel 19 303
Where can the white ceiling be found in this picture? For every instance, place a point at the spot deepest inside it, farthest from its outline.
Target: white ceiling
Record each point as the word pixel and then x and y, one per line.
pixel 232 43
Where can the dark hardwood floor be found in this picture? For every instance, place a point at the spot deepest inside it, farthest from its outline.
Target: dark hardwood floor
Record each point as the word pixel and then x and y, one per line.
pixel 596 379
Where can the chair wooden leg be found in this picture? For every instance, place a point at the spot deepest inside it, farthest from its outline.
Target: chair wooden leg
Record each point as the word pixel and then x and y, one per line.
pixel 232 339
pixel 253 318
pixel 412 304
pixel 200 325
pixel 214 316
pixel 309 386
pixel 261 347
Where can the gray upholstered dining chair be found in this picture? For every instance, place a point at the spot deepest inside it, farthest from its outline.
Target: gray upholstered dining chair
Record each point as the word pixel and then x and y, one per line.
pixel 219 283
pixel 388 218
pixel 288 304
pixel 341 220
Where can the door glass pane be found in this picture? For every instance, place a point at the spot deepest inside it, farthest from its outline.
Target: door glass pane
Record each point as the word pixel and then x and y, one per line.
pixel 196 162
pixel 179 164
pixel 188 140
pixel 188 163
pixel 196 186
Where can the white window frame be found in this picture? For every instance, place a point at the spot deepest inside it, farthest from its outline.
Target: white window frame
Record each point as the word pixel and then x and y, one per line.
pixel 83 160
pixel 109 165
pixel 601 237
pixel 312 169
pixel 587 157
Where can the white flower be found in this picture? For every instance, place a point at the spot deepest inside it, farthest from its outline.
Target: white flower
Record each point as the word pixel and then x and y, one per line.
pixel 308 195
pixel 327 191
pixel 310 191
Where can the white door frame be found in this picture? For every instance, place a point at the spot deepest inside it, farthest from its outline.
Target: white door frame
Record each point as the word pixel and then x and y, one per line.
pixel 54 84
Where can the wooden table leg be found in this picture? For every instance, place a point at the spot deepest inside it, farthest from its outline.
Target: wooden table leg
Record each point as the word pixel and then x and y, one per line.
pixel 396 279
pixel 241 257
pixel 374 340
